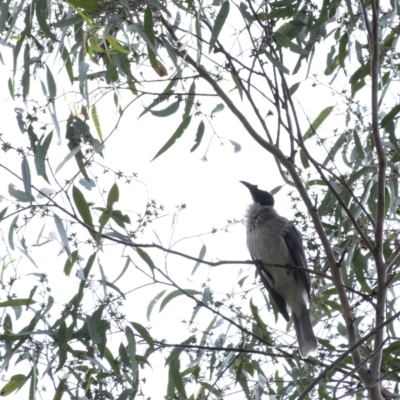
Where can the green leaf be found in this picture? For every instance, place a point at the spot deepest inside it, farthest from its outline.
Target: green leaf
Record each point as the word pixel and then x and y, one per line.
pixel 263 328
pixel 16 382
pixel 199 136
pixel 167 92
pixel 219 23
pixel 26 177
pixel 390 116
pixel 149 31
pixel 61 389
pixel 283 41
pixel 146 258
pixel 200 257
pixel 82 206
pixel 51 83
pixel 368 169
pixel 19 194
pixel 276 63
pixel 94 324
pixel 41 15
pixel 62 233
pixel 153 303
pixel 177 134
pixel 70 262
pixel 176 377
pixel 17 302
pixel 323 115
pixel 10 85
pixel 113 195
pixel 3 213
pixel 88 5
pixel 131 350
pixel 72 153
pixel 189 100
pixel 144 333
pixel 11 232
pixel 294 88
pixel 335 148
pixel 343 48
pixel 238 86
pixel 175 294
pixel 304 159
pixel 166 112
pixel 360 264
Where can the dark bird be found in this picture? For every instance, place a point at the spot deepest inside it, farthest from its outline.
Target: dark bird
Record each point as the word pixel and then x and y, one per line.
pixel 272 239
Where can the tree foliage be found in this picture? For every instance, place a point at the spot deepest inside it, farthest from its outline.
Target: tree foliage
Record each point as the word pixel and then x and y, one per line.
pixel 258 62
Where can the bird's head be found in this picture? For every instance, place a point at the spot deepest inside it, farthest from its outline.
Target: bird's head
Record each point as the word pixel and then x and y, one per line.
pixel 261 197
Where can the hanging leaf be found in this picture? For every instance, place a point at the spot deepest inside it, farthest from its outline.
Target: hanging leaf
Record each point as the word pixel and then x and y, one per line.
pixel 144 333
pixel 70 262
pixel 42 15
pixel 71 154
pixel 177 134
pixel 96 122
pixel 51 83
pixel 219 23
pixel 323 115
pixel 63 234
pixel 153 303
pixel 82 206
pixel 200 257
pixel 11 232
pixel 147 259
pixel 276 63
pixel 199 136
pixel 26 178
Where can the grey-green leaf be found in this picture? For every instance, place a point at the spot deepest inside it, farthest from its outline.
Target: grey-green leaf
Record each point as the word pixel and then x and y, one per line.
pixel 176 293
pixel 199 136
pixel 177 134
pixel 63 234
pixel 26 178
pixel 219 23
pixel 166 112
pixel 11 232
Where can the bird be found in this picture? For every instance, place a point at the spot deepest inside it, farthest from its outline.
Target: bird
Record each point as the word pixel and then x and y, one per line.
pixel 273 239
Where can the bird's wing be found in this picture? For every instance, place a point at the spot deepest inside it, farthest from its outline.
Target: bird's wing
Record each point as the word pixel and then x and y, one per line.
pixel 294 243
pixel 276 297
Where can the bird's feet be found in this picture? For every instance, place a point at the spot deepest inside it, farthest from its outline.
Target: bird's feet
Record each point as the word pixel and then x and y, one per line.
pixel 289 268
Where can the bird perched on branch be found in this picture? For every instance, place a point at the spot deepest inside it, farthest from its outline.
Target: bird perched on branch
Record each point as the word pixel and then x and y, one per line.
pixel 272 239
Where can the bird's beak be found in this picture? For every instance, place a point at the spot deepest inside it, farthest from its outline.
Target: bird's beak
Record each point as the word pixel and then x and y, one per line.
pixel 249 185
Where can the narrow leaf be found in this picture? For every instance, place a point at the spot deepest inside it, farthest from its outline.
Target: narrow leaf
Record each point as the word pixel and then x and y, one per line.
pixel 219 23
pixel 71 154
pixel 63 234
pixel 153 303
pixel 11 232
pixel 26 177
pixel 177 134
pixel 199 136
pixel 175 294
pixel 82 206
pixel 323 115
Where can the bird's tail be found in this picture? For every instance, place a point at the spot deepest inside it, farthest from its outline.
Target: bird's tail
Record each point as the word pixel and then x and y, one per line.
pixel 305 334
